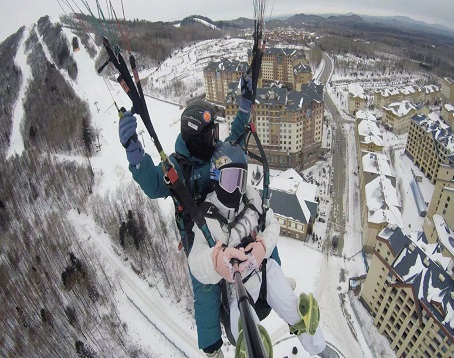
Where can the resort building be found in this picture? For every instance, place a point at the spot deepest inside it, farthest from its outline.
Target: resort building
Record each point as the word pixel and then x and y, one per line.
pixel 357 100
pixel 218 75
pixel 288 123
pixel 368 135
pixel 396 116
pixel 409 291
pixel 447 89
pixel 430 144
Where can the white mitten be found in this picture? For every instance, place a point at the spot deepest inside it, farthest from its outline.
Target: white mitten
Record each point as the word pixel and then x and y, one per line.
pixel 221 260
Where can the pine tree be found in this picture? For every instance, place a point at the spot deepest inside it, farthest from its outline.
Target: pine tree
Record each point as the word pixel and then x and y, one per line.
pixel 75 43
pixel 87 135
pixel 122 234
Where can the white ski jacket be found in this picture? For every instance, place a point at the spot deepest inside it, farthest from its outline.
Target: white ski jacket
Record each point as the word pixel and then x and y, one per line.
pixel 200 261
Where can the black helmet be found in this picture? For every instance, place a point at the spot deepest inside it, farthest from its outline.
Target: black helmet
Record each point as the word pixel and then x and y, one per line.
pixel 198 129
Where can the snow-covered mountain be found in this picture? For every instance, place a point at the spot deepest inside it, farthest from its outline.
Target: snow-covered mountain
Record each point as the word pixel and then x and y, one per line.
pixel 69 284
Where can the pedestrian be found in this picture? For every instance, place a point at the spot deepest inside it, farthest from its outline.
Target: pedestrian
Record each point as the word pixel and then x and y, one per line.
pixel 236 210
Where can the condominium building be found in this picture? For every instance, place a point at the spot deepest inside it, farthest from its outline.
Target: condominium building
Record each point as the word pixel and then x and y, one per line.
pixel 380 206
pixel 409 291
pixel 386 96
pixel 357 99
pixel 430 144
pixel 442 204
pixel 396 116
pixel 302 74
pixel 413 93
pixel 368 135
pixel 447 89
pixel 218 75
pixel 289 123
pixel 432 94
pixel 286 65
pixel 447 113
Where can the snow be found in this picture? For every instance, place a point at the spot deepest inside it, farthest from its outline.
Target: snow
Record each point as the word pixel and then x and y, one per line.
pixel 356 91
pixel 377 163
pixel 206 23
pixel 444 232
pixel 149 317
pixel 364 114
pixel 400 108
pixel 16 140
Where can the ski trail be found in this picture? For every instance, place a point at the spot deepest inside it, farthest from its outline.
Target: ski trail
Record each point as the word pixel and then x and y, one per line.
pixel 16 141
pixel 148 304
pixel 63 72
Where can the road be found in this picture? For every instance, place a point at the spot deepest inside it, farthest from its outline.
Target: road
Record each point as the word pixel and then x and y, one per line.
pixel 339 155
pixel 334 316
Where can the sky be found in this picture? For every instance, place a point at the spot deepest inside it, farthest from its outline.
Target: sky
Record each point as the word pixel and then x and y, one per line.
pixel 25 12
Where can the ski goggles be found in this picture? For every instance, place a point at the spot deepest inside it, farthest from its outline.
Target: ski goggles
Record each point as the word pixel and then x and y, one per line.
pixel 211 136
pixel 232 178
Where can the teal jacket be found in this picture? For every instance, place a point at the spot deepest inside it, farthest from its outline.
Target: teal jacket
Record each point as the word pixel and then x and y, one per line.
pixel 150 177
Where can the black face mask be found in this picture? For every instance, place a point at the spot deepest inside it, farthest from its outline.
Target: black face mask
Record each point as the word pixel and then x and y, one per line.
pixel 200 150
pixel 231 200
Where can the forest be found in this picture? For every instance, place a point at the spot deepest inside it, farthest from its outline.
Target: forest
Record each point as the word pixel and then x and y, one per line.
pixel 56 296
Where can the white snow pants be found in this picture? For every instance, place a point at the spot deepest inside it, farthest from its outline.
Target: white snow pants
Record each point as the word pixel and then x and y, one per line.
pixel 282 300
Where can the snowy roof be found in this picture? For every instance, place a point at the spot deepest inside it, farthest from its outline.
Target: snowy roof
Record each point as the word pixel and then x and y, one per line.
pixel 449 80
pixel 431 88
pixel 291 52
pixel 382 203
pixel 387 92
pixel 377 163
pixel 410 89
pixel 422 266
pixel 445 233
pixel 227 65
pixel 355 90
pixel 400 108
pixel 291 100
pixel 292 197
pixel 449 107
pixel 390 216
pixel 440 131
pixel 301 68
pixel 365 114
pixel 289 205
pixel 370 133
pixel 290 181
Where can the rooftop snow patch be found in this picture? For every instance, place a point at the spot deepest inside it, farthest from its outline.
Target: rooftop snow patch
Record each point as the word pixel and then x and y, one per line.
pixel 364 114
pixel 356 91
pixel 377 163
pixel 400 108
pixel 370 133
pixel 445 233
